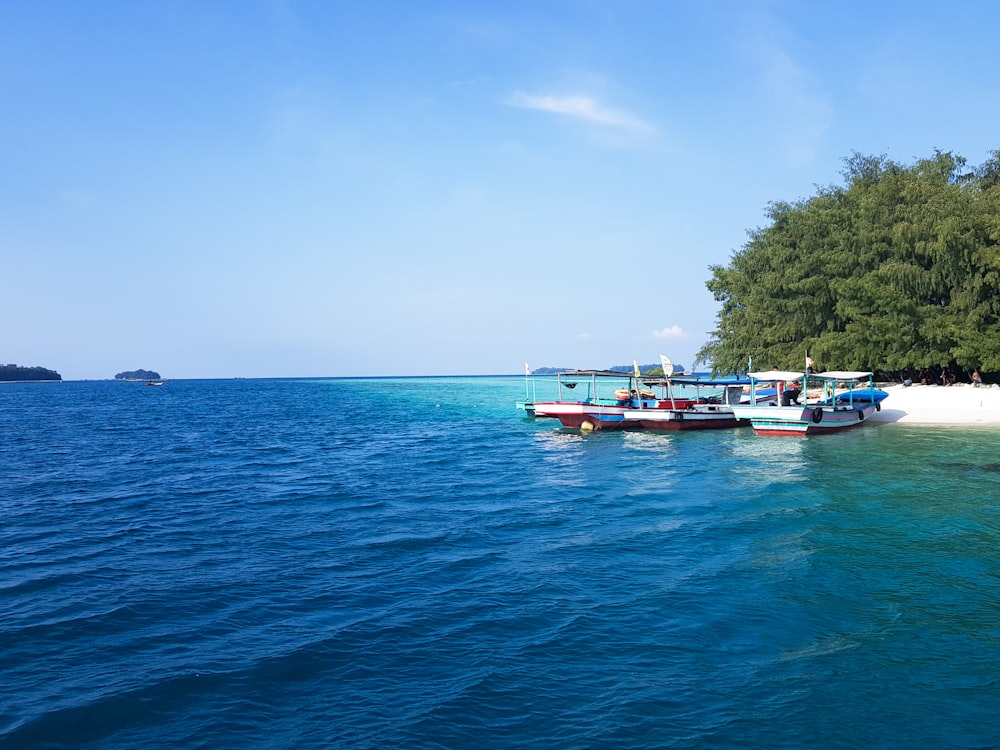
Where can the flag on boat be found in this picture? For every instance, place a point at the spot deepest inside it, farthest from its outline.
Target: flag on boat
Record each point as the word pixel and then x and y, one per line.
pixel 527 370
pixel 635 367
pixel 667 365
pixel 809 362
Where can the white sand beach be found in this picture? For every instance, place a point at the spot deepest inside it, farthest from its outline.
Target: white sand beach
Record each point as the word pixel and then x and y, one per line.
pixel 959 404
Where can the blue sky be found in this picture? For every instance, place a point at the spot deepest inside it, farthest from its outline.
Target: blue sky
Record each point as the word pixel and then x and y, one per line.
pixel 305 188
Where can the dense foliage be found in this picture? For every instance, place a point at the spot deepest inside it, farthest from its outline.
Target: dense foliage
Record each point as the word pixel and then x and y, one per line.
pixel 16 372
pixel 896 271
pixel 138 375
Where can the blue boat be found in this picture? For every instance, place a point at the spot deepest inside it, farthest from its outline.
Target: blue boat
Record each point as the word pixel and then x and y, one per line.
pixel 863 394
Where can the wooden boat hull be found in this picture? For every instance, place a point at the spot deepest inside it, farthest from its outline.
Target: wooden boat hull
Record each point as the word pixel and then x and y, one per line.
pixel 805 420
pixel 584 416
pixel 696 418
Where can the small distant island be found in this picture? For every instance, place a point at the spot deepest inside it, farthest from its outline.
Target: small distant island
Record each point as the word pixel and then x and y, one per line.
pixel 16 372
pixel 138 375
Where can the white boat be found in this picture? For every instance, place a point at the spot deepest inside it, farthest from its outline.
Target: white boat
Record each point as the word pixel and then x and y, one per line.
pixel 713 410
pixel 806 403
pixel 599 404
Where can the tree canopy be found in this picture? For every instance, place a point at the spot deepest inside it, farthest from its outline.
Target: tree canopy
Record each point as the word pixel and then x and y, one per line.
pixel 895 271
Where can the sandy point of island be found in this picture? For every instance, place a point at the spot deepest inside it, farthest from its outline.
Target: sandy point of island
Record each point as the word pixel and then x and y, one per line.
pixel 959 404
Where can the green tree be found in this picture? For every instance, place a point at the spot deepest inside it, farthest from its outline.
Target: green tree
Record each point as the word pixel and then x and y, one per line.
pixel 897 269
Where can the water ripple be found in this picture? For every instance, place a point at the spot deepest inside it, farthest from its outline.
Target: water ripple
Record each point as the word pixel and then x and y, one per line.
pixel 378 563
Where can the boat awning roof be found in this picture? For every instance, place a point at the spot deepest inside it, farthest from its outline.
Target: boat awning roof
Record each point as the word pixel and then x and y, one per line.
pixel 842 375
pixel 715 383
pixel 598 373
pixel 773 375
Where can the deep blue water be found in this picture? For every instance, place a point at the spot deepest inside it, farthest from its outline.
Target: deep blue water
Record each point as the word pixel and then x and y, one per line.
pixel 410 563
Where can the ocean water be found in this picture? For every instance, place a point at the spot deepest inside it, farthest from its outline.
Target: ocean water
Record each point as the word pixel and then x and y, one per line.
pixel 412 563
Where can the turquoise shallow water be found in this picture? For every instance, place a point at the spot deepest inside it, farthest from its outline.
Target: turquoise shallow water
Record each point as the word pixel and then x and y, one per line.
pixel 410 563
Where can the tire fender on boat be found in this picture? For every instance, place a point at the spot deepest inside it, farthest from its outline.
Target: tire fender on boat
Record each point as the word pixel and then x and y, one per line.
pixel 861 416
pixel 878 406
pixel 818 414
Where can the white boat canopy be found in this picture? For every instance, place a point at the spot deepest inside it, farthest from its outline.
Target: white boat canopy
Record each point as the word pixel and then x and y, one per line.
pixel 773 375
pixel 770 376
pixel 841 375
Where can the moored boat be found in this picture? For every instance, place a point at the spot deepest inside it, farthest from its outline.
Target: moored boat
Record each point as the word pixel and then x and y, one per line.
pixel 807 403
pixel 701 412
pixel 601 406
pixel 530 393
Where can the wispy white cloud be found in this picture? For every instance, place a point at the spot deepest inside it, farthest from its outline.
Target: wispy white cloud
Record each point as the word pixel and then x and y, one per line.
pixel 670 332
pixel 802 109
pixel 796 94
pixel 579 107
pixel 584 336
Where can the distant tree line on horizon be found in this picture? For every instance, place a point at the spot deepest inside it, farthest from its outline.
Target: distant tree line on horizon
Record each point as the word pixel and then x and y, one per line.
pixel 17 372
pixel 897 271
pixel 138 375
pixel 624 369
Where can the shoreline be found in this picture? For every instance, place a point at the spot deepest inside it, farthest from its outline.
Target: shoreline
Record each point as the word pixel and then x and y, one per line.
pixel 960 405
